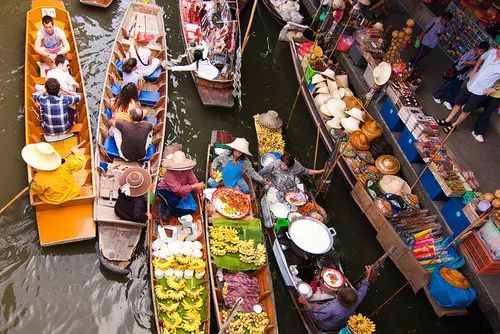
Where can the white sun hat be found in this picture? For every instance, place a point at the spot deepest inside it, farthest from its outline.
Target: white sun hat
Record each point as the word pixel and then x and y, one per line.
pixel 357 114
pixel 41 156
pixel 350 124
pixel 336 107
pixel 317 78
pixel 382 73
pixel 334 123
pixel 329 73
pixel 240 144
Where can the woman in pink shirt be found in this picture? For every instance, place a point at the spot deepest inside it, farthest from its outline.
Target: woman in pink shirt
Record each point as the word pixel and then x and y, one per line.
pixel 177 184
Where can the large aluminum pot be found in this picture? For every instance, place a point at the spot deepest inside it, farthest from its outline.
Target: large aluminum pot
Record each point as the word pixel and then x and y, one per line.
pixel 311 236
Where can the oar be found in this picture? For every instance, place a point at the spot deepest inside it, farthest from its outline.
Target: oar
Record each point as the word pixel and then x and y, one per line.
pixel 22 192
pixel 232 313
pixel 247 33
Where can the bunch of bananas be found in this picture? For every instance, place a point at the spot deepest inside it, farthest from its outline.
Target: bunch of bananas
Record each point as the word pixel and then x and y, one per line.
pixel 270 140
pixel 179 262
pixel 223 240
pixel 360 324
pixel 249 253
pixel 217 175
pixel 253 323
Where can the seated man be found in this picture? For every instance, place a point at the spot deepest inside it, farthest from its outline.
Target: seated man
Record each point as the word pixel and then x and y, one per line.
pixel 53 182
pixel 61 73
pixel 57 115
pixel 131 204
pixel 132 138
pixel 50 41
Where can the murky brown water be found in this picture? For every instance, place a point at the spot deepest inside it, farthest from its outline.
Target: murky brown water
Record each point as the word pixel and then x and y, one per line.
pixel 63 290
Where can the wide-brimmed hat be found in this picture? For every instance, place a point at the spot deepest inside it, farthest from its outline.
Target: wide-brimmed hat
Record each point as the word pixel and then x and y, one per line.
pixel 387 164
pixel 134 181
pixel 351 102
pixel 325 113
pixel 329 73
pixel 240 144
pixel 41 156
pixel 178 161
pixel 319 85
pixel 348 297
pixel 341 92
pixel 392 184
pixel 359 140
pixel 144 37
pixel 356 113
pixel 371 129
pixel 321 99
pixel 336 107
pixel 365 2
pixel 334 123
pixel 378 26
pixel 342 80
pixel 270 119
pixel 332 85
pixel 317 78
pixel 350 124
pixel 322 90
pixel 382 73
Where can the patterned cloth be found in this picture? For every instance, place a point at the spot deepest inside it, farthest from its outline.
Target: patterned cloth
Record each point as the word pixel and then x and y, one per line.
pixel 221 161
pixel 55 120
pixel 284 180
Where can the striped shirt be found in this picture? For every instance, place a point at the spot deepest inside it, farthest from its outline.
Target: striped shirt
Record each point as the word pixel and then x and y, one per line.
pixel 55 112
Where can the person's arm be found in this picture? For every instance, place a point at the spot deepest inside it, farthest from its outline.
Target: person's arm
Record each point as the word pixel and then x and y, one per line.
pixel 72 99
pixel 139 210
pixel 492 89
pixel 175 186
pixel 250 172
pixel 183 68
pixel 35 188
pixel 192 179
pixel 472 73
pixel 38 46
pixel 65 44
pixel 362 290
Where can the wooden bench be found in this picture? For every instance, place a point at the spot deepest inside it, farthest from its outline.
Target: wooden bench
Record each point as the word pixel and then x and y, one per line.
pixel 39 131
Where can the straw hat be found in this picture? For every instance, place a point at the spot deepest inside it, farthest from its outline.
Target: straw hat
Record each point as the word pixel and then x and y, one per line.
pixel 336 107
pixel 359 140
pixel 378 26
pixel 334 123
pixel 387 164
pixel 240 144
pixel 382 73
pixel 321 99
pixel 348 92
pixel 356 113
pixel 371 129
pixel 270 119
pixel 329 73
pixel 365 2
pixel 332 85
pixel 351 102
pixel 342 80
pixel 335 95
pixel 178 161
pixel 325 113
pixel 41 156
pixel 341 93
pixel 322 90
pixel 317 78
pixel 391 184
pixel 350 124
pixel 134 181
pixel 320 85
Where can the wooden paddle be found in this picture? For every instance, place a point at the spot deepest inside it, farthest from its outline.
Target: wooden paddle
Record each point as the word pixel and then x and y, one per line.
pixel 232 313
pixel 25 190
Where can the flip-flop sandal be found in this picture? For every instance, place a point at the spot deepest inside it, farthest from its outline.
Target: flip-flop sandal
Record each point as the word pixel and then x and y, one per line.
pixel 447 129
pixel 443 122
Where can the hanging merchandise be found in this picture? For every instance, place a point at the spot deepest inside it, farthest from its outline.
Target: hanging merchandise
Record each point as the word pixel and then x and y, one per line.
pixel 400 40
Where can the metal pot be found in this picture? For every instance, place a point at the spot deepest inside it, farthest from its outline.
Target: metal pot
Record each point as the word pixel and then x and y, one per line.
pixel 311 236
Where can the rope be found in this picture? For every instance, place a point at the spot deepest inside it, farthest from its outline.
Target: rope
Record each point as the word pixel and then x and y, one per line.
pixel 389 299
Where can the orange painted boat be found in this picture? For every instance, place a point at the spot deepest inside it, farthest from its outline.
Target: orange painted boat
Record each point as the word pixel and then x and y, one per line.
pixel 73 220
pixel 97 3
pixel 118 238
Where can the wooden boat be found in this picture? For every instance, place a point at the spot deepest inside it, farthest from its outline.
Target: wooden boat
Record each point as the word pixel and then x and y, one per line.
pixel 217 92
pixel 263 274
pixel 118 238
pixel 152 235
pixel 73 220
pixel 97 3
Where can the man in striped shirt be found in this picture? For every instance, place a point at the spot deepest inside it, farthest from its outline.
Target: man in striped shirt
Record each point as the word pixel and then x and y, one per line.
pixel 57 115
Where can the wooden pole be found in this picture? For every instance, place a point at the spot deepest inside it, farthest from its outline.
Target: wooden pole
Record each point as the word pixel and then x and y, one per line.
pixel 232 313
pixel 432 159
pixel 316 148
pixel 330 171
pixel 247 33
pixel 22 192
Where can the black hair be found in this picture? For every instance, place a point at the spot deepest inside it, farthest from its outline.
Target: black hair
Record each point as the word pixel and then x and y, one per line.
pixel 52 86
pixel 197 56
pixel 447 16
pixel 129 65
pixel 288 159
pixel 483 45
pixel 47 19
pixel 128 93
pixel 60 59
pixel 136 114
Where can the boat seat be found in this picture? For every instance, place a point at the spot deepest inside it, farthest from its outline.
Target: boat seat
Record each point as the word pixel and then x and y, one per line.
pixel 112 149
pixel 109 115
pixel 152 45
pixel 150 78
pixel 149 97
pixel 115 89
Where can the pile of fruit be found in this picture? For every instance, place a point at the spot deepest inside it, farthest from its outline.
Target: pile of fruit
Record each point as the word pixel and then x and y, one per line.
pixel 270 140
pixel 360 324
pixel 225 240
pixel 242 323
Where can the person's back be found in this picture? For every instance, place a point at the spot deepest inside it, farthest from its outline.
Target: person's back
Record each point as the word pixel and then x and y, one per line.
pixel 58 186
pixel 134 135
pixel 57 116
pixel 67 84
pixel 130 73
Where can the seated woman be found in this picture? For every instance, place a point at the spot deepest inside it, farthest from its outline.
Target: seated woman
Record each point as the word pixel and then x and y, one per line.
pixel 283 172
pixel 233 167
pixel 131 204
pixel 201 64
pixel 131 73
pixel 177 184
pixel 146 63
pixel 127 100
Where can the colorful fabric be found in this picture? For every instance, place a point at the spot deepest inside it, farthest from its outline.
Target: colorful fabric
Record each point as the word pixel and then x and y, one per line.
pixel 221 161
pixel 54 108
pixel 178 182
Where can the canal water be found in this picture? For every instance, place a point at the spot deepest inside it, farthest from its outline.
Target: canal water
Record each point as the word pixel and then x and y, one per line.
pixel 62 289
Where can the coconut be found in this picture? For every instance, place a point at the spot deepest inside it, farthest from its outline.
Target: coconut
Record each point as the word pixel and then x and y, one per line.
pixel 410 22
pixel 497 193
pixel 169 272
pixel 200 274
pixel 188 273
pixel 159 273
pixel 489 197
pixel 197 245
pixel 178 274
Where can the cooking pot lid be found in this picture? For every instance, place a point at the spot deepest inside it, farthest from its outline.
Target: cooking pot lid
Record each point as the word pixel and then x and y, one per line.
pixel 279 210
pixel 310 236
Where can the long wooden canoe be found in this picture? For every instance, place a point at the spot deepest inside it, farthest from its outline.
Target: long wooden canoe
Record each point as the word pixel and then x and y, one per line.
pixel 152 235
pixel 73 220
pixel 97 3
pixel 118 238
pixel 263 274
pixel 217 92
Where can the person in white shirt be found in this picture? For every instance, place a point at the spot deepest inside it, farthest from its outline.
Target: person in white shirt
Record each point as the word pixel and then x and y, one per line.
pixel 201 65
pixel 480 85
pixel 146 64
pixel 61 73
pixel 130 73
pixel 50 41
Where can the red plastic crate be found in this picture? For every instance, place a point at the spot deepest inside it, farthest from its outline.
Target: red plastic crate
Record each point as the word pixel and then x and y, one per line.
pixel 480 258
